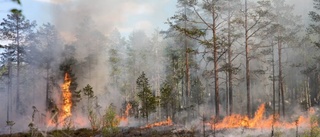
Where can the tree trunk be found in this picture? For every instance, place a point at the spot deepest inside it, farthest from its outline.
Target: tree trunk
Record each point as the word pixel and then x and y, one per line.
pixel 306 92
pixel 273 85
pixel 9 89
pixel 280 75
pixel 187 64
pixel 18 65
pixel 230 64
pixel 47 89
pixel 247 61
pixel 227 94
pixel 215 58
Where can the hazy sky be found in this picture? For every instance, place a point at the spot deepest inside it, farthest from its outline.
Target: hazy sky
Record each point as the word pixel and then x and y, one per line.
pixel 126 15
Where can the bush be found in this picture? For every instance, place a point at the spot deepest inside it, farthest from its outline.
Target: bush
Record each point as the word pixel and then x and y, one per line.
pixel 110 122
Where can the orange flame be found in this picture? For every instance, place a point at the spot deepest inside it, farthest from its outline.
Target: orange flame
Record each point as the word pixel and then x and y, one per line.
pixel 66 94
pixel 167 122
pixel 258 121
pixel 124 118
pixel 59 119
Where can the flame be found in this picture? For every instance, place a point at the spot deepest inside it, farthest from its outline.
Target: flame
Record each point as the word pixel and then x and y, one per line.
pixel 258 121
pixel 124 119
pixel 66 94
pixel 59 118
pixel 167 122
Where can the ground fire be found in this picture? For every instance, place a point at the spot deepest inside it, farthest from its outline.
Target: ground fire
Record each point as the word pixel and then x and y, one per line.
pixel 167 122
pixel 259 121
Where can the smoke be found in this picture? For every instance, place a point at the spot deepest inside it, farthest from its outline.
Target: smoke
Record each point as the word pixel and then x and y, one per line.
pixel 86 26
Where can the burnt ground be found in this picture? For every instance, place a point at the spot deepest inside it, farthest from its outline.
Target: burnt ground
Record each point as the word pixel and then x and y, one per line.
pixel 123 132
pixel 164 131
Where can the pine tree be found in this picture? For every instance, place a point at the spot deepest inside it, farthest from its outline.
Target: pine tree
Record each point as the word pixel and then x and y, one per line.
pixel 199 96
pixel 167 98
pixel 199 25
pixel 17 29
pixel 41 52
pixel 313 69
pixel 147 99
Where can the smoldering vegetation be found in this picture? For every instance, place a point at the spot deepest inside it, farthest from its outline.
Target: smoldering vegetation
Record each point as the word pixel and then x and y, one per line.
pixel 219 61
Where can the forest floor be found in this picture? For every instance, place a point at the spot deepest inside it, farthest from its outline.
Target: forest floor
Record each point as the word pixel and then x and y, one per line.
pixel 164 131
pixel 171 131
pixel 123 132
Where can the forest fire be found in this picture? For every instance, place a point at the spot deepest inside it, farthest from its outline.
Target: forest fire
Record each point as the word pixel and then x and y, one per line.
pixel 66 94
pixel 258 121
pixel 167 122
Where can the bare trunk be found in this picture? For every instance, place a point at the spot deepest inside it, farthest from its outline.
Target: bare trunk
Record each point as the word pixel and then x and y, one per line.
pixel 280 78
pixel 18 65
pixel 230 65
pixel 9 89
pixel 215 58
pixel 273 85
pixel 47 89
pixel 187 67
pixel 281 92
pixel 306 93
pixel 227 94
pixel 247 61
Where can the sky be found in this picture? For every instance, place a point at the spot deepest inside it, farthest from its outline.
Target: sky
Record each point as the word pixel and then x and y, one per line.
pixel 125 15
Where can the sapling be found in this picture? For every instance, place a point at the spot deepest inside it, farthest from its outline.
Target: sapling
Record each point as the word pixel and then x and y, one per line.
pixel 31 124
pixel 95 122
pixel 110 121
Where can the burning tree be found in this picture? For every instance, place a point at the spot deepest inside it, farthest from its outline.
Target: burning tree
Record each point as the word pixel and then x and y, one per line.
pixel 68 93
pixel 66 68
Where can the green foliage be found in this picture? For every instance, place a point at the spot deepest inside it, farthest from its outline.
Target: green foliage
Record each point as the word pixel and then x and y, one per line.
pixel 87 91
pixel 95 121
pixel 3 70
pixel 167 98
pixel 148 100
pixel 14 23
pixel 197 91
pixel 110 122
pixel 14 10
pixel 114 59
pixel 16 1
pixel 134 111
pixel 315 24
